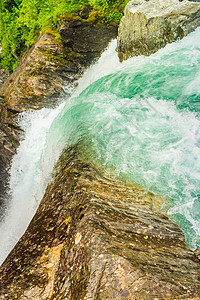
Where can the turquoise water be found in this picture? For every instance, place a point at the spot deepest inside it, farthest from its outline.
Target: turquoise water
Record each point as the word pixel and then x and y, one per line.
pixel 142 120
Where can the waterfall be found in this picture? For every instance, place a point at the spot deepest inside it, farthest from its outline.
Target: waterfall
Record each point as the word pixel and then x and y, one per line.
pixel 139 120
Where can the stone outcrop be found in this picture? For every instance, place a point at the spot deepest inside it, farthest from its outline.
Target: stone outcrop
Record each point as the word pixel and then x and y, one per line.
pixel 50 63
pixel 94 238
pixel 149 25
pixel 39 76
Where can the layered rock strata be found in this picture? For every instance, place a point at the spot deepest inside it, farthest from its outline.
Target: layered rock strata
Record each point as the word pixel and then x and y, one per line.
pixel 3 76
pixel 149 25
pixel 94 238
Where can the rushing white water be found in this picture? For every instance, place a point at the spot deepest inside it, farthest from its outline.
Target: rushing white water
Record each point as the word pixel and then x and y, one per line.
pixel 140 118
pixel 28 180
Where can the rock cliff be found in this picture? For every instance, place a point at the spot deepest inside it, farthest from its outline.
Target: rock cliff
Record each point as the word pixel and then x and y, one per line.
pixel 95 238
pixel 92 237
pixel 149 25
pixel 51 63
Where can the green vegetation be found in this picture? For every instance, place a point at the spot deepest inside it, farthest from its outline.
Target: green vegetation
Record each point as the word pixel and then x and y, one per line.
pixel 22 20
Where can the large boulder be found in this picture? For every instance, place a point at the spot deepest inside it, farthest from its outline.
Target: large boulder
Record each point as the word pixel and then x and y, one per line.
pixel 149 25
pixel 95 238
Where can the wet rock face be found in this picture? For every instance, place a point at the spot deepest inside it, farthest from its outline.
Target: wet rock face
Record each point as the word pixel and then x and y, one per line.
pixel 38 76
pixel 94 238
pixel 50 64
pixel 9 140
pixel 86 41
pixel 149 25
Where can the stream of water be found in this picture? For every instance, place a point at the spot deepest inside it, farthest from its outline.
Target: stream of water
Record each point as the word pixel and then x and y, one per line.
pixel 140 118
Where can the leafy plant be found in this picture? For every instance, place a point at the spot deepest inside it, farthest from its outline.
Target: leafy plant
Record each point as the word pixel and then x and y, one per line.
pixel 22 20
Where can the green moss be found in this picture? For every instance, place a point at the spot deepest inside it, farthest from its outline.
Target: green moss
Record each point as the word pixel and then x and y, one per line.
pixel 55 58
pixel 54 33
pixel 70 17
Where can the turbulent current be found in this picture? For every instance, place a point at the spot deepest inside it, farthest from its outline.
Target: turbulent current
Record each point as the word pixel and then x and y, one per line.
pixel 139 120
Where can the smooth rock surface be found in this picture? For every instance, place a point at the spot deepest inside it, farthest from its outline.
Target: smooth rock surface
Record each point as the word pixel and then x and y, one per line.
pixel 149 25
pixel 95 238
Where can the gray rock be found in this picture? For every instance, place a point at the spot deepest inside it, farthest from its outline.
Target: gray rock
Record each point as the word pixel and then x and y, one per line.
pixel 149 25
